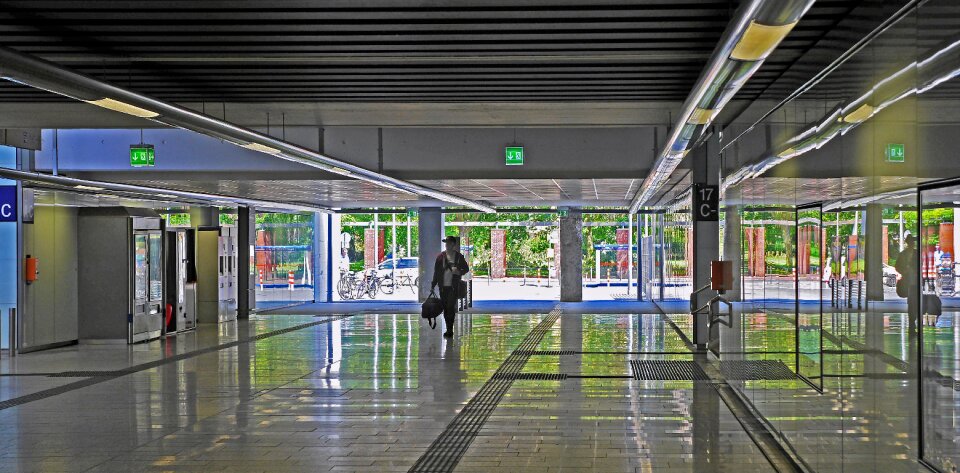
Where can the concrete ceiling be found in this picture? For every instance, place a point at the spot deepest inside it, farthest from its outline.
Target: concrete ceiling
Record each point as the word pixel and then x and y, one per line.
pixel 388 63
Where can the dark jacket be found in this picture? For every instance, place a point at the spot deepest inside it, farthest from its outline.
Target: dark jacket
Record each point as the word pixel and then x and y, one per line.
pixel 907 266
pixel 439 267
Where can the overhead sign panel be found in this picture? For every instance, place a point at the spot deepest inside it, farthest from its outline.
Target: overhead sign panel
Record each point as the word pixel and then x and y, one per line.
pixel 8 203
pixel 895 153
pixel 706 203
pixel 141 155
pixel 514 155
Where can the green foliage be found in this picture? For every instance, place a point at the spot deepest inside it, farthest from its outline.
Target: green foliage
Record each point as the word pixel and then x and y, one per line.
pixel 177 220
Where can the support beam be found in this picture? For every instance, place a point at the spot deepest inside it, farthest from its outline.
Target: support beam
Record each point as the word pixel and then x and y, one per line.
pixel 706 234
pixel 571 256
pixel 246 269
pixel 35 72
pixel 873 262
pixel 204 216
pixel 322 258
pixel 732 248
pixel 430 228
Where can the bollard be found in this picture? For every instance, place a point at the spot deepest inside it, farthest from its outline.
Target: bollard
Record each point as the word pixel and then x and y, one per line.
pixel 12 332
pixel 859 294
pixel 849 293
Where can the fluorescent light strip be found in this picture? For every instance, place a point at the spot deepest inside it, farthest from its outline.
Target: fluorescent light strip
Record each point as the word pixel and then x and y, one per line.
pixel 759 40
pixel 122 107
pixel 261 148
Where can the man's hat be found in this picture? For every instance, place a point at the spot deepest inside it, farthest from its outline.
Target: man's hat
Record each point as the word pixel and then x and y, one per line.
pixel 451 239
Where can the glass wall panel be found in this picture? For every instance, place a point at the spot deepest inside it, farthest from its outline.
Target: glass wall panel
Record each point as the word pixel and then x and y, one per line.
pixel 855 143
pixel 378 257
pixel 810 279
pixel 940 328
pixel 284 259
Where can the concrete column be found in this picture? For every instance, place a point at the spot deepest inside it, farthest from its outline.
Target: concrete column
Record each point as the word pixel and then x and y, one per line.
pixel 204 217
pixel 571 257
pixel 705 234
pixel 732 248
pixel 430 227
pixel 323 267
pixel 873 234
pixel 246 267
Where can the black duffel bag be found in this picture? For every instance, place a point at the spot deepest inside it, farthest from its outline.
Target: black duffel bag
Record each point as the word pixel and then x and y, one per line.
pixel 431 308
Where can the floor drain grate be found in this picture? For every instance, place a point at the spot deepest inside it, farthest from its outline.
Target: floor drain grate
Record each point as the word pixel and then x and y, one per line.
pixel 531 376
pixel 547 353
pixel 667 370
pixel 755 370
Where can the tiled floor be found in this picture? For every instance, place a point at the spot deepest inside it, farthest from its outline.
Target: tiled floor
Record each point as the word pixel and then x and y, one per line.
pixel 370 393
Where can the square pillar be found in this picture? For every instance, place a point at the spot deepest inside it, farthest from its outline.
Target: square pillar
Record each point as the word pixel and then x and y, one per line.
pixel 571 256
pixel 322 258
pixel 732 248
pixel 873 262
pixel 430 226
pixel 246 268
pixel 706 230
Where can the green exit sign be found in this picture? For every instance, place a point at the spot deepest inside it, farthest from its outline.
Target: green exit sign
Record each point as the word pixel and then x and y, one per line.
pixel 514 155
pixel 894 153
pixel 563 213
pixel 411 213
pixel 141 155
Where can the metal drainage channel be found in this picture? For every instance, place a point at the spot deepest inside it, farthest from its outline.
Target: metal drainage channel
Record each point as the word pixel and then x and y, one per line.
pixel 96 377
pixel 445 452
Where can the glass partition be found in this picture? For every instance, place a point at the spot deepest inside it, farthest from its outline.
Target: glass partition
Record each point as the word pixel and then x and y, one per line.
pixel 809 286
pixel 284 259
pixel 939 328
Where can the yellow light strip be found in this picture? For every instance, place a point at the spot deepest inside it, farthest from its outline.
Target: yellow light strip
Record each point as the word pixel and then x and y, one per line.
pixel 701 116
pixel 123 107
pixel 860 114
pixel 758 41
pixel 261 148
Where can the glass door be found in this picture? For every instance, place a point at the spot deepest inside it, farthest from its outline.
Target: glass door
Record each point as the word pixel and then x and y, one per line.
pixel 809 288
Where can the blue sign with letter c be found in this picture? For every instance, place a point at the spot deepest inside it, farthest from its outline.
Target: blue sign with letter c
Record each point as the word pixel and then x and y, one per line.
pixel 8 203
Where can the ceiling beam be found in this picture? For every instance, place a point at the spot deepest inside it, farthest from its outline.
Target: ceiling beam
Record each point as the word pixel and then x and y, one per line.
pixel 41 74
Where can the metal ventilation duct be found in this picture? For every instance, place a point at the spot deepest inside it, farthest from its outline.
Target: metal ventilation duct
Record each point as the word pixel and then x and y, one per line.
pixel 35 72
pixel 757 29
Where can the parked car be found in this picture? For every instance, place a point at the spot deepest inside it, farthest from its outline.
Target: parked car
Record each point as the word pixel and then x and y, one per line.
pixel 890 276
pixel 405 267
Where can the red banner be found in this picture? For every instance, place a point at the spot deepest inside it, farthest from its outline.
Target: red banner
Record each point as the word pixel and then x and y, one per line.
pixel 622 255
pixel 498 253
pixel 368 252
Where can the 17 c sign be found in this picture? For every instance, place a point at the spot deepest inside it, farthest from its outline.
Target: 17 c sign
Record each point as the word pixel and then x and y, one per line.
pixel 706 203
pixel 8 203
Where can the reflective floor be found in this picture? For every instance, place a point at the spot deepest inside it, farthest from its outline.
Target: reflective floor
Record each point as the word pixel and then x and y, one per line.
pixel 371 393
